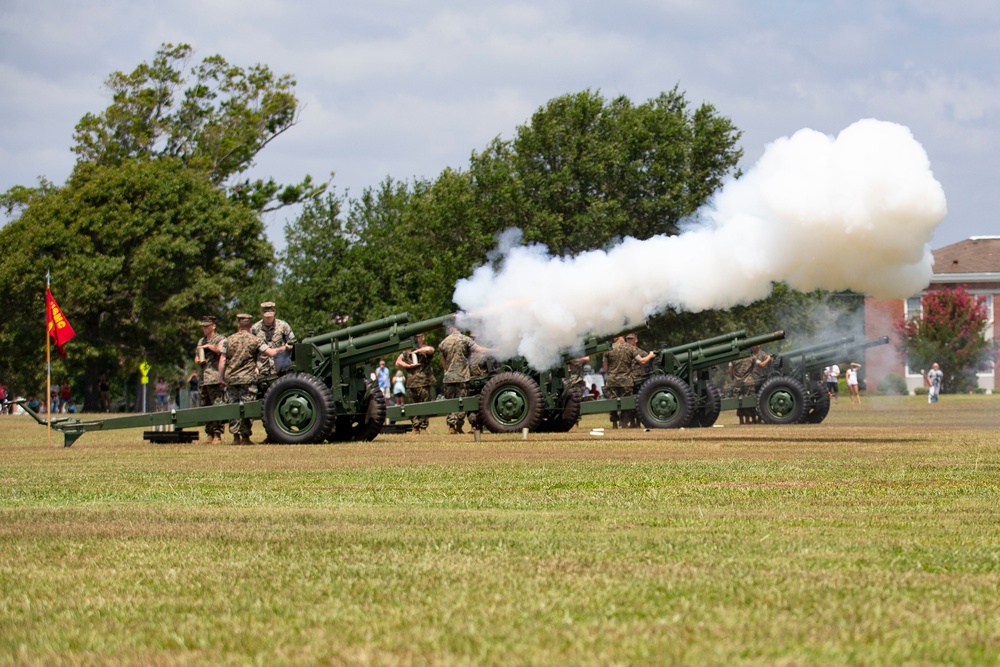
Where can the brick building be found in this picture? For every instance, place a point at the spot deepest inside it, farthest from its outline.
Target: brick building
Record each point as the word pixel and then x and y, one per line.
pixel 974 264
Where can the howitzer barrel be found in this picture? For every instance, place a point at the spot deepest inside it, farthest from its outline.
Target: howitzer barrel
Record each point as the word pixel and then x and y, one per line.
pixel 724 338
pixel 597 344
pixel 717 354
pixel 358 329
pixel 818 347
pixel 396 333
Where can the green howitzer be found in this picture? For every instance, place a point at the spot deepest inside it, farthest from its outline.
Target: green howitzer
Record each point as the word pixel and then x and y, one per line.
pixel 326 396
pixel 600 344
pixel 795 390
pixel 511 396
pixel 677 391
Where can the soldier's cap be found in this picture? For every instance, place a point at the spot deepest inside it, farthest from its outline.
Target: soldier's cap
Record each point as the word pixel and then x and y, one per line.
pixel 208 320
pixel 243 317
pixel 267 306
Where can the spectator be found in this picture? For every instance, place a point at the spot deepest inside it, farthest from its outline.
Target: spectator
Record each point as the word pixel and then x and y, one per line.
pixel 34 404
pixel 65 395
pixel 934 377
pixel 162 393
pixel 832 375
pixel 382 378
pixel 104 387
pixel 399 387
pixel 193 388
pixel 4 409
pixel 852 382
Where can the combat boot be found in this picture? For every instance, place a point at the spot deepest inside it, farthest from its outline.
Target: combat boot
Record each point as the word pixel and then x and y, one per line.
pixel 237 440
pixel 247 440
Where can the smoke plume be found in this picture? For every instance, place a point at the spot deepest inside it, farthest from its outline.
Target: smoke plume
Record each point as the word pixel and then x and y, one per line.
pixel 854 211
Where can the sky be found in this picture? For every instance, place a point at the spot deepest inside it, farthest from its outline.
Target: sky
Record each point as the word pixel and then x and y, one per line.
pixel 407 89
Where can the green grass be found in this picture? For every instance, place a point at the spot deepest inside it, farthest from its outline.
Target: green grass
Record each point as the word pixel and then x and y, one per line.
pixel 873 538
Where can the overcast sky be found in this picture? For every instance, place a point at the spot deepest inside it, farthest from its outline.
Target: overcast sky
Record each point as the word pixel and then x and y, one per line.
pixel 405 89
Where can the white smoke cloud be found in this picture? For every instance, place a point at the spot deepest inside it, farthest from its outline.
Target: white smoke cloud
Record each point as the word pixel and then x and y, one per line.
pixel 854 211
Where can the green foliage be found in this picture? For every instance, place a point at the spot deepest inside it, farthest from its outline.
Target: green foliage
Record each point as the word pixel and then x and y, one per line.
pixel 950 333
pixel 215 122
pixel 585 171
pixel 138 251
pixel 893 384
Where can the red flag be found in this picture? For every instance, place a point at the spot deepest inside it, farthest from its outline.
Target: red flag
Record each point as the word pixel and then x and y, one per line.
pixel 59 326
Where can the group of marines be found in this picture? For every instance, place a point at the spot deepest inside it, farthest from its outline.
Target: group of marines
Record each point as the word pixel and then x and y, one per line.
pixel 240 367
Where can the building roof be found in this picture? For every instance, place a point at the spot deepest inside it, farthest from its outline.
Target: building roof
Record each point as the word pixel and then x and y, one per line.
pixel 978 254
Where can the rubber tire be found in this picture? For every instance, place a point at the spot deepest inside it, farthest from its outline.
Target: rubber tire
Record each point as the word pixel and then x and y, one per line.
pixel 366 425
pixel 298 409
pixel 781 400
pixel 817 406
pixel 563 420
pixel 509 402
pixel 665 401
pixel 711 408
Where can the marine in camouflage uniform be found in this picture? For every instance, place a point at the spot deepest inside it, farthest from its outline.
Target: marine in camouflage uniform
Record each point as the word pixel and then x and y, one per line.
pixel 641 370
pixel 278 336
pixel 619 384
pixel 419 377
pixel 210 387
pixel 455 350
pixel 238 367
pixel 741 373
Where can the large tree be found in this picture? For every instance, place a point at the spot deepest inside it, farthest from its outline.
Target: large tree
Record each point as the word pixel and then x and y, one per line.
pixel 949 331
pixel 214 118
pixel 137 251
pixel 586 170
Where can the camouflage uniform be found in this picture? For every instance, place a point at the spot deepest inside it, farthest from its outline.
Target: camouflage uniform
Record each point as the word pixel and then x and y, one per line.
pixel 743 385
pixel 241 350
pixel 455 350
pixel 210 384
pixel 640 372
pixel 270 369
pixel 619 383
pixel 418 384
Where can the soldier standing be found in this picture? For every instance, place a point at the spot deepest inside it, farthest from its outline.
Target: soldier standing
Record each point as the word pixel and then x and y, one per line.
pixel 238 369
pixel 456 349
pixel 210 382
pixel 641 368
pixel 419 377
pixel 619 360
pixel 278 336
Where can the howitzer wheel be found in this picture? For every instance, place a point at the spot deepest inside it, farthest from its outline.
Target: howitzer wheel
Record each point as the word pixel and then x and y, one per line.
pixel 665 401
pixel 817 405
pixel 781 400
pixel 367 423
pixel 561 420
pixel 709 406
pixel 298 409
pixel 510 402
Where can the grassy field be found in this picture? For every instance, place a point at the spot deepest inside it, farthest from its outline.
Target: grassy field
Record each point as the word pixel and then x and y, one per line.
pixel 873 538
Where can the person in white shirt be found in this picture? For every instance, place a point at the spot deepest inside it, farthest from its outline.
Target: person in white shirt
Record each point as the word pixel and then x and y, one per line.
pixel 852 382
pixel 934 378
pixel 832 375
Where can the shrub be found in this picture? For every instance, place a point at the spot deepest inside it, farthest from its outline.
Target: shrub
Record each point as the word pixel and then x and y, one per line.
pixel 921 391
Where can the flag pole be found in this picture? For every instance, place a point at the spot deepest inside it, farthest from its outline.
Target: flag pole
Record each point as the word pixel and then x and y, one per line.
pixel 48 364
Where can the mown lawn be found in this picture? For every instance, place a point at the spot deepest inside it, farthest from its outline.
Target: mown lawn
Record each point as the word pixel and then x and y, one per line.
pixel 873 538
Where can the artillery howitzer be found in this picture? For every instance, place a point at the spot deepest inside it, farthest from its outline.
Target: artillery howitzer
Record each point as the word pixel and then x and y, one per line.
pixel 327 395
pixel 795 389
pixel 510 396
pixel 679 393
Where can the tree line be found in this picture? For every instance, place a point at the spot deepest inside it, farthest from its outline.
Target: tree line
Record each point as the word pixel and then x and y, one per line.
pixel 157 225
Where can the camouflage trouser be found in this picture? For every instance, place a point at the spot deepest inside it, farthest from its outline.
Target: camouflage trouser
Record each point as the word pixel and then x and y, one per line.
pixel 418 395
pixel 213 394
pixel 241 393
pixel 742 389
pixel 627 417
pixel 457 390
